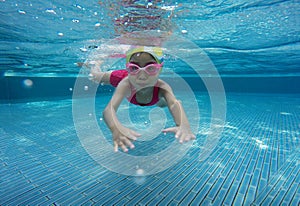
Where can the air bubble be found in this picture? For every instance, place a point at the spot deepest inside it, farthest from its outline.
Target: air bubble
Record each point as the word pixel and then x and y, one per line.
pixel 83 49
pixel 60 34
pixel 86 88
pixel 71 89
pixel 184 31
pixel 140 172
pixel 75 20
pixel 28 83
pixel 21 12
pixel 50 11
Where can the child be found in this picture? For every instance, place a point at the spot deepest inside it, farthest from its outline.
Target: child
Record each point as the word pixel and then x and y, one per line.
pixel 140 84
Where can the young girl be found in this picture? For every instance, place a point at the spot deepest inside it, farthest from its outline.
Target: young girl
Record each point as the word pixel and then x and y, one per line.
pixel 140 84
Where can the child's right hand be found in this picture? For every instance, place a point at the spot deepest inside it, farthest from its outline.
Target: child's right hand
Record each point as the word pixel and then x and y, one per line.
pixel 123 139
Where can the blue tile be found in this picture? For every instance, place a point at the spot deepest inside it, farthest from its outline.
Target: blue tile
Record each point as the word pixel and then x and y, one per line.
pixel 76 199
pixel 231 194
pixel 188 179
pixel 228 181
pixel 220 197
pixel 255 178
pixel 157 183
pixel 36 200
pixel 240 174
pixel 138 197
pixel 170 196
pixel 104 196
pixel 261 185
pixel 227 169
pixel 279 197
pixel 54 189
pixel 239 199
pixel 57 169
pixel 123 201
pixel 296 198
pixel 250 195
pixel 201 182
pixel 25 194
pixel 169 188
pixel 18 191
pixel 244 184
pixel 154 193
pixel 172 203
pixel 137 190
pixel 291 193
pixel 117 198
pixel 189 198
pixel 265 171
pixel 201 194
pixel 156 200
pixel 94 189
pixel 216 187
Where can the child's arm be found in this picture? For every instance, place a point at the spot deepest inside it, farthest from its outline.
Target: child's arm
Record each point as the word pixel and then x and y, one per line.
pixel 96 74
pixel 182 130
pixel 122 136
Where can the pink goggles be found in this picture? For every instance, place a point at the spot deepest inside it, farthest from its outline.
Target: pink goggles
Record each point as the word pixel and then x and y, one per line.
pixel 151 69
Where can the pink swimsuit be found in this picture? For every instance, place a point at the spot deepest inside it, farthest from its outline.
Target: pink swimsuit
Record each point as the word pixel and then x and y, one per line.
pixel 117 76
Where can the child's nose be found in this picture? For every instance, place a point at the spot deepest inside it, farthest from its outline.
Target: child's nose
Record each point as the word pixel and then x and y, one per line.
pixel 142 75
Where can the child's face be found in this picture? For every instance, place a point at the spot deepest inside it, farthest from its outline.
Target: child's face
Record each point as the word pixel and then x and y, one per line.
pixel 142 79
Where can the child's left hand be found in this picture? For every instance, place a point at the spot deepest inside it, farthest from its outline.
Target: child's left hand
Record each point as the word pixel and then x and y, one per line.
pixel 182 133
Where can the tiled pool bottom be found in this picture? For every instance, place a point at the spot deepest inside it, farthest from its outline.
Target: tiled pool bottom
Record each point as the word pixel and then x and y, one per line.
pixel 255 162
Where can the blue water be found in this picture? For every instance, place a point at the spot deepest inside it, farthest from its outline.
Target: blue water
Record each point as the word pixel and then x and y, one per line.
pixel 233 64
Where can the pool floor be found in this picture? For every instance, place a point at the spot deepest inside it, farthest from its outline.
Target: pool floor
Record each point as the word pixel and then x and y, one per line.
pixel 256 161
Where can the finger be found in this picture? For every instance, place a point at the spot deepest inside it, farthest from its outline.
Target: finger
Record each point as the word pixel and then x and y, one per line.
pixel 132 135
pixel 171 129
pixel 115 146
pixel 135 134
pixel 178 134
pixel 123 147
pixel 189 137
pixel 128 143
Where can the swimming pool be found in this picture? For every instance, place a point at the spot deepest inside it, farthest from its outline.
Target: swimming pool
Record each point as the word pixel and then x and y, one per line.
pixel 52 133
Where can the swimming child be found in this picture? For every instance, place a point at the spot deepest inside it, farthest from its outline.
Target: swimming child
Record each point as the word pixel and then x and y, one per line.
pixel 141 85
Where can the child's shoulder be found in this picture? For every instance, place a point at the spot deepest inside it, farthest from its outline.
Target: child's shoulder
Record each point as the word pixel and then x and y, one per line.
pixel 163 85
pixel 124 82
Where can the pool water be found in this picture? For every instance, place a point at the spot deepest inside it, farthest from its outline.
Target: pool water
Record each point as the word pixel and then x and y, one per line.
pixel 256 160
pixel 233 64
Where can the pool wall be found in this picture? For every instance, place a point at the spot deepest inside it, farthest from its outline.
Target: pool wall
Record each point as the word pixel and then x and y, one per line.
pixel 15 89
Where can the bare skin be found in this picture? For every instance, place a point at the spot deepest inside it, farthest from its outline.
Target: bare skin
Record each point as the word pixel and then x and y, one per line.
pixel 144 85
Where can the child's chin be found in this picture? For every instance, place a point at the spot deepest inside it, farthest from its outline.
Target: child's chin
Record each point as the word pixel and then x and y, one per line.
pixel 142 85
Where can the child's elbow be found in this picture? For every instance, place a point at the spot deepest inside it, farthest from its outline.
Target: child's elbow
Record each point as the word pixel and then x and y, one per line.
pixel 175 103
pixel 106 112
